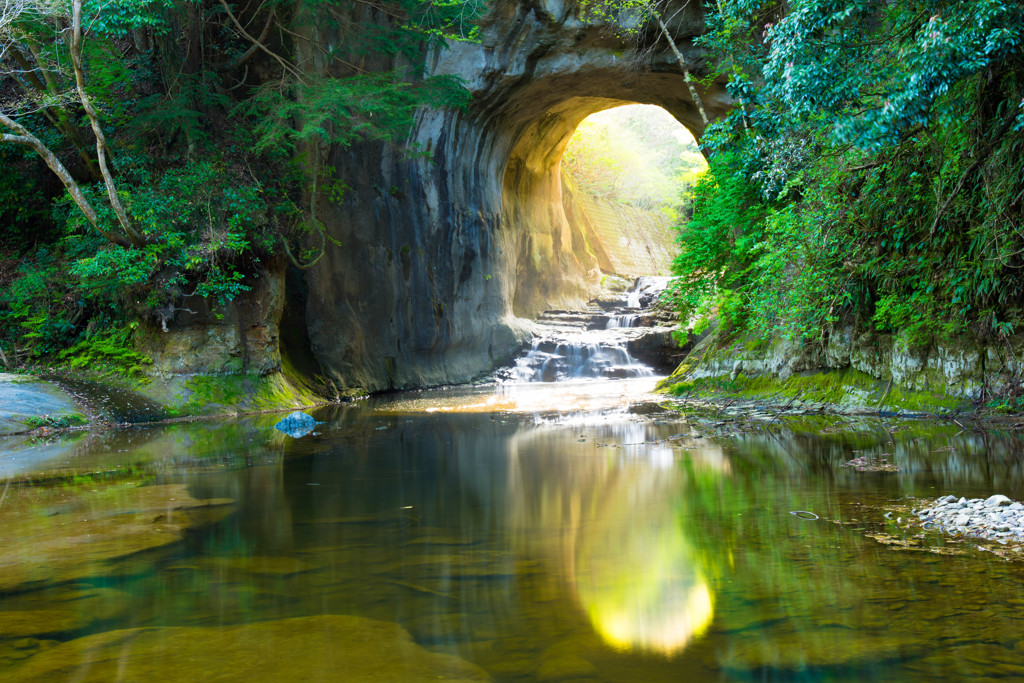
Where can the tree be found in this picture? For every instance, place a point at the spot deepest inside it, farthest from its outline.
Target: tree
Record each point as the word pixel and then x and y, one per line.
pixel 14 13
pixel 884 153
pixel 190 140
pixel 629 17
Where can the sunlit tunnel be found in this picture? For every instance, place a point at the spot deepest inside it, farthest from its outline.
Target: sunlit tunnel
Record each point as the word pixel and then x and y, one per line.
pixel 634 155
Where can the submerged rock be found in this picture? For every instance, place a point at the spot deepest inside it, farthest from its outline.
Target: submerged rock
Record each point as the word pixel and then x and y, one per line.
pixel 79 533
pixel 330 647
pixel 297 424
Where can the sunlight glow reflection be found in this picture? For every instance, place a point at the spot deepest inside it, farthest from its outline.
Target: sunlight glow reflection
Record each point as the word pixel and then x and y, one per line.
pixel 642 585
pixel 538 397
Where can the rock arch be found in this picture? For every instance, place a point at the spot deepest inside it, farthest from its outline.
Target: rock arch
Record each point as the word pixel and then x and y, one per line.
pixel 439 257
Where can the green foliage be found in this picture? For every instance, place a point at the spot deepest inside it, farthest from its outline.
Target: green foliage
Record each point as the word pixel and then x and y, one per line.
pixel 715 255
pixel 202 128
pixel 884 157
pixel 201 223
pixel 57 421
pixel 23 199
pixel 344 110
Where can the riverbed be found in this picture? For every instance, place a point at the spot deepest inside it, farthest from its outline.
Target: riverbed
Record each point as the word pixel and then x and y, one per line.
pixel 542 532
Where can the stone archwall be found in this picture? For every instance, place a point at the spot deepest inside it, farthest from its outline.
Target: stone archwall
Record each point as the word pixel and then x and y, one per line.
pixel 435 262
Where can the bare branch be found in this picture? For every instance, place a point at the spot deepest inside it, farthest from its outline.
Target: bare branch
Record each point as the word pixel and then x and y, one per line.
pixel 23 137
pixel 288 68
pixel 694 95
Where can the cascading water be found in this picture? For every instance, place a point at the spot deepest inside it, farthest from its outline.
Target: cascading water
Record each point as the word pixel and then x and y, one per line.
pixel 584 357
pixel 623 320
pixel 594 344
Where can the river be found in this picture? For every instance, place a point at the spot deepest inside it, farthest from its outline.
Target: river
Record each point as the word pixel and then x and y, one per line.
pixel 567 531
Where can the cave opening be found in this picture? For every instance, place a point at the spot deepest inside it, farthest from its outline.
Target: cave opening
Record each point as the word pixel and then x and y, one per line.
pixel 596 191
pixel 626 174
pixel 593 188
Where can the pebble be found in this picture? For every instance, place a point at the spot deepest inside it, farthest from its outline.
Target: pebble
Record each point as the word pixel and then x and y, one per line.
pixel 995 518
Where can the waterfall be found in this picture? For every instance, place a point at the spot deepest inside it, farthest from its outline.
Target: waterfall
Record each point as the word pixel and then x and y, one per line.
pixel 592 344
pixel 584 356
pixel 622 320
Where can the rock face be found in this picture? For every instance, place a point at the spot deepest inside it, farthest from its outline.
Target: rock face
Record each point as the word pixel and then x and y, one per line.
pixel 969 369
pixel 439 257
pixel 23 398
pixel 244 338
pixel 625 240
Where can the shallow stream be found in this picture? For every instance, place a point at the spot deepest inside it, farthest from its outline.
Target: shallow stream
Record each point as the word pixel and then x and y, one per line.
pixel 547 532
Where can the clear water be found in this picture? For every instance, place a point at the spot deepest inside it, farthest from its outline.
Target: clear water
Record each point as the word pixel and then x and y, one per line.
pixel 547 532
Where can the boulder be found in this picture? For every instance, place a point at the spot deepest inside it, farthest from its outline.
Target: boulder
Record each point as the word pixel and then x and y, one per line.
pixel 297 424
pixel 23 397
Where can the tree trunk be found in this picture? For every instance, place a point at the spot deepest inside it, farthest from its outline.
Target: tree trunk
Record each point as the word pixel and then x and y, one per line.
pixel 57 115
pixel 697 101
pixel 97 129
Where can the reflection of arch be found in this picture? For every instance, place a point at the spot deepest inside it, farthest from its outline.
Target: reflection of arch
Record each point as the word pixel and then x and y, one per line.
pixel 610 527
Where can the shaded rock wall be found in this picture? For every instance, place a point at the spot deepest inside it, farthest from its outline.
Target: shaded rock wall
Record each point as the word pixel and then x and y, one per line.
pixel 440 259
pixel 241 337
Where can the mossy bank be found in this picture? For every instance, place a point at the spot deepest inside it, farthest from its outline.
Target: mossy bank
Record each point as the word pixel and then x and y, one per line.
pixel 854 373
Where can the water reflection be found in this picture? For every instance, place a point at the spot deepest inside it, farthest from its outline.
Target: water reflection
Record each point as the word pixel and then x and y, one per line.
pixel 533 545
pixel 568 397
pixel 607 504
pixel 637 576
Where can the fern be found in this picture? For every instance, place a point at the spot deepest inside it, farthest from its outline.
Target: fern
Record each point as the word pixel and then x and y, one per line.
pixel 109 353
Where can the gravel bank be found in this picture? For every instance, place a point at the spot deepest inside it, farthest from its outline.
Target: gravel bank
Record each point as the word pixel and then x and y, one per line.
pixel 995 518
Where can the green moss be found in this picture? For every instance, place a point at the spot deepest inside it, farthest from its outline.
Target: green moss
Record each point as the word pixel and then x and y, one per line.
pixel 212 394
pixel 205 391
pixel 847 387
pixel 57 421
pixel 279 391
pixel 921 401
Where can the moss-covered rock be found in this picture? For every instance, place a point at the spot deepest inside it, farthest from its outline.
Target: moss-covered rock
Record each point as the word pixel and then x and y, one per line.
pixel 859 373
pixel 314 648
pixel 68 535
pixel 27 403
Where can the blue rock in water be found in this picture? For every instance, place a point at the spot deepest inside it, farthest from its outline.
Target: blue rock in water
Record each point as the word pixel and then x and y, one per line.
pixel 296 425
